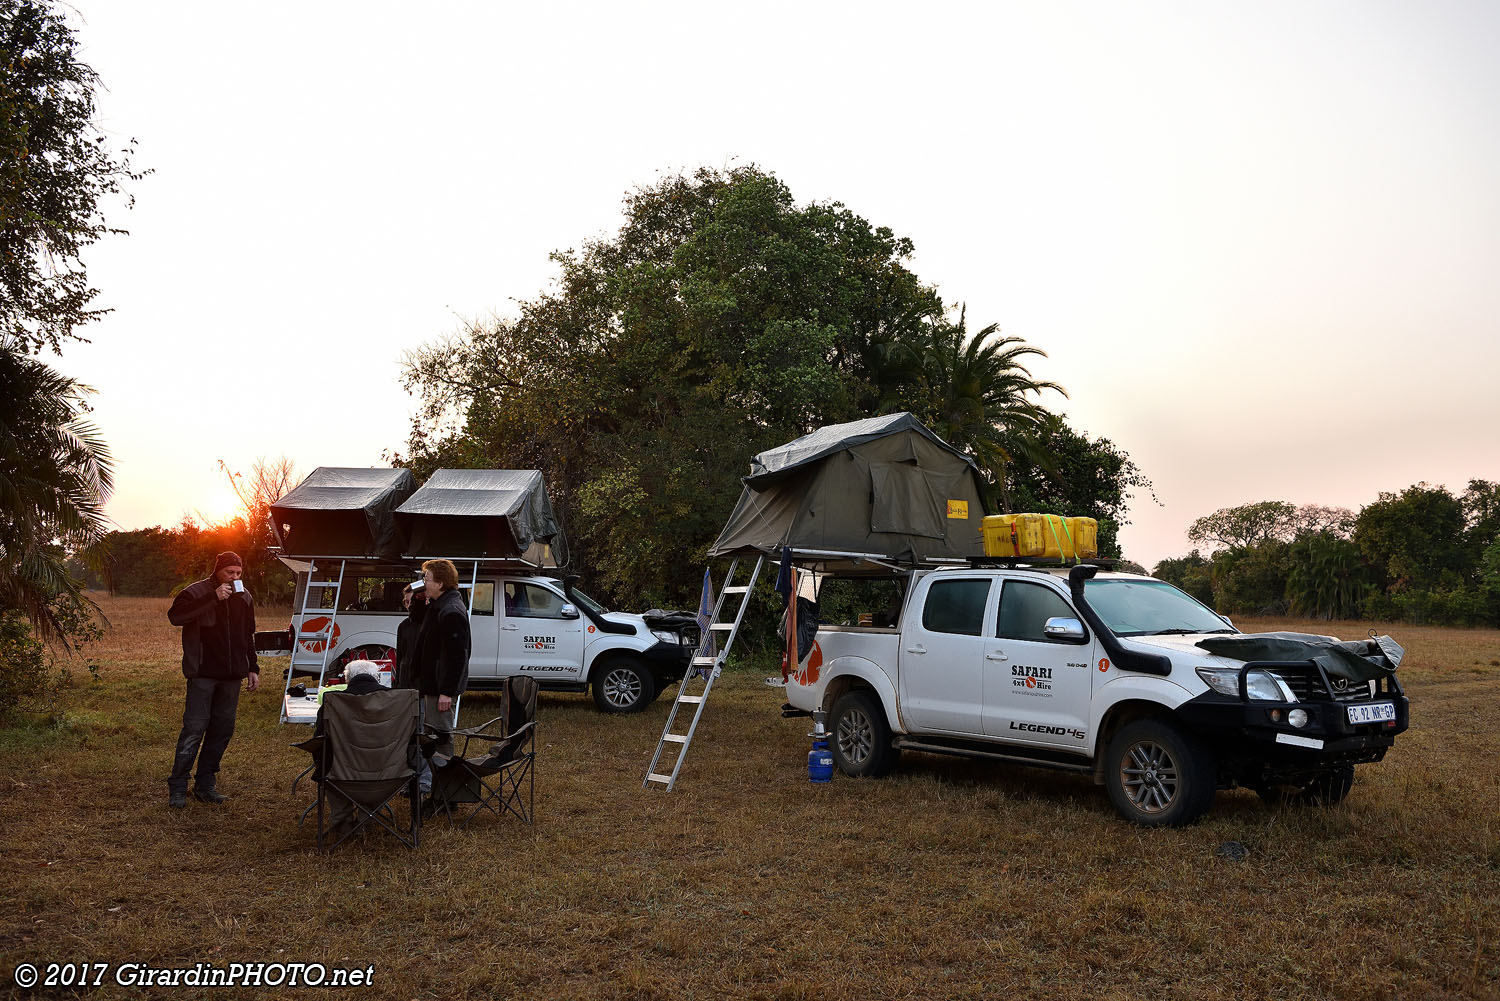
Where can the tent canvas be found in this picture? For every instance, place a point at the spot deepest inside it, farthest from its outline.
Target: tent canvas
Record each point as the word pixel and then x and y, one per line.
pixel 343 512
pixel 484 514
pixel 884 486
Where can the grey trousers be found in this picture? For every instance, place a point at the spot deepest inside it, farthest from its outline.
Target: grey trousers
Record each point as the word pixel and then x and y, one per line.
pixel 444 722
pixel 207 725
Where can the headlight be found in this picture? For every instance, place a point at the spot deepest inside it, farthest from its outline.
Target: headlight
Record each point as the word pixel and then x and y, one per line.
pixel 1261 686
pixel 666 636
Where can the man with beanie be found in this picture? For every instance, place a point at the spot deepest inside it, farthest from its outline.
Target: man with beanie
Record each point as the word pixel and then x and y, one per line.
pixel 217 617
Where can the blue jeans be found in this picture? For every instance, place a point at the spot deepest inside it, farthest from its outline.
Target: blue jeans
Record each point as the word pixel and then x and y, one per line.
pixel 207 725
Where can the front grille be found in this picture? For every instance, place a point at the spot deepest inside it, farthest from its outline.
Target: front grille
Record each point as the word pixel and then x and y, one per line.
pixel 1307 684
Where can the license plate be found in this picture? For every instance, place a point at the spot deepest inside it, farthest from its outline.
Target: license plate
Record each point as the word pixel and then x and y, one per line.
pixel 1380 712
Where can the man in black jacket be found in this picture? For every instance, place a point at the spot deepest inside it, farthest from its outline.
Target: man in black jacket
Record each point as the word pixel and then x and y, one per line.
pixel 442 655
pixel 217 616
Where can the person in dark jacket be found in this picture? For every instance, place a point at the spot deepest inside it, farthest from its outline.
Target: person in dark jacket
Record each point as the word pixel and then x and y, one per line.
pixel 442 655
pixel 414 604
pixel 217 616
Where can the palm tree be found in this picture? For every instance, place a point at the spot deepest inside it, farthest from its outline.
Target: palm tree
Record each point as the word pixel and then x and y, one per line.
pixel 55 477
pixel 975 393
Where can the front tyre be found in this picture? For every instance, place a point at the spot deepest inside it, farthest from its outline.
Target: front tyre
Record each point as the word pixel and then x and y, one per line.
pixel 1157 775
pixel 861 738
pixel 623 685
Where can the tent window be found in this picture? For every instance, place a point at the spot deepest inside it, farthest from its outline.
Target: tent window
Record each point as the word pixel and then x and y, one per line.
pixel 903 500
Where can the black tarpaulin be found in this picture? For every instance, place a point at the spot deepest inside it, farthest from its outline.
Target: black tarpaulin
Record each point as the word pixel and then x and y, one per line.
pixel 484 514
pixel 343 512
pixel 1354 660
pixel 884 486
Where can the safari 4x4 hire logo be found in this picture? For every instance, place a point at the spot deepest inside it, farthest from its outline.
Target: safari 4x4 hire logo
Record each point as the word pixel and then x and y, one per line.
pixel 1031 679
pixel 540 642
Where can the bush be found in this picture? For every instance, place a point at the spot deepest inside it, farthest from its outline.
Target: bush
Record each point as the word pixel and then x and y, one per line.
pixel 30 673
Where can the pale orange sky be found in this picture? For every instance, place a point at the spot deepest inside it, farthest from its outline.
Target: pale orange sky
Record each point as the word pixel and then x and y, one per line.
pixel 1258 241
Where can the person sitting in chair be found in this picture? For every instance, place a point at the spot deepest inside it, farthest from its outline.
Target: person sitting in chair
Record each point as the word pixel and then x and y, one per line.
pixel 362 677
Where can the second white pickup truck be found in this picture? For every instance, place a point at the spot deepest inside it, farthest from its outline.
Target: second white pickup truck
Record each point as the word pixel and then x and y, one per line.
pixel 1099 673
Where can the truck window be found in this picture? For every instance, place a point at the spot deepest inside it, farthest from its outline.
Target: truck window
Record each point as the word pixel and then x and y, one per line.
pixel 531 601
pixel 484 598
pixel 956 606
pixel 1025 608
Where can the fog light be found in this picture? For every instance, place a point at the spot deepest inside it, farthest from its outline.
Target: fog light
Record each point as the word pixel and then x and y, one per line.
pixel 1297 717
pixel 1275 715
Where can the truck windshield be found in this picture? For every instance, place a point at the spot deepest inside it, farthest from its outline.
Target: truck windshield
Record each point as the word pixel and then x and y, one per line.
pixel 1149 608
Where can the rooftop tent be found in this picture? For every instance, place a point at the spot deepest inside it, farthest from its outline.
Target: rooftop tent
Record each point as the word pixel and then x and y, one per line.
pixel 343 512
pixel 484 514
pixel 884 486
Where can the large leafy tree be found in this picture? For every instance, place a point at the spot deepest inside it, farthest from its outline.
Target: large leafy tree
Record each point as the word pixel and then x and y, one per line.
pixel 721 319
pixel 1415 539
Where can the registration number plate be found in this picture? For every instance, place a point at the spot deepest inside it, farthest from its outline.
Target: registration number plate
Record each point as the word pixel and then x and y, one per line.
pixel 1380 712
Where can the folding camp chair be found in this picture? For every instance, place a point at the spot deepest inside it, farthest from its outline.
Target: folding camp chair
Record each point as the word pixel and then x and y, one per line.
pixel 370 747
pixel 503 778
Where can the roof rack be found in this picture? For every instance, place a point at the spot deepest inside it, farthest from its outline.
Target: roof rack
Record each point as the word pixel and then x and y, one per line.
pixel 1023 563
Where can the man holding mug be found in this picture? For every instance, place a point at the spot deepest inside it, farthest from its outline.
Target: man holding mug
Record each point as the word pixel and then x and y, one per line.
pixel 217 616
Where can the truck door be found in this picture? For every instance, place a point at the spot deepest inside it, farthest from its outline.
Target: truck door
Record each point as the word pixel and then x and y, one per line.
pixel 1036 689
pixel 534 637
pixel 484 649
pixel 942 653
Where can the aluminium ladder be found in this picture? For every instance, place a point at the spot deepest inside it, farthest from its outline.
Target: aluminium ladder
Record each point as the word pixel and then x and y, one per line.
pixel 301 655
pixel 705 666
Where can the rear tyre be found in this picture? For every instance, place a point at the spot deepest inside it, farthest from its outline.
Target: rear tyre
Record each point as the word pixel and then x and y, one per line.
pixel 623 685
pixel 1157 775
pixel 1329 788
pixel 861 738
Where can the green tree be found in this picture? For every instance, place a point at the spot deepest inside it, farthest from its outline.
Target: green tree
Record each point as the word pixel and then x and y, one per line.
pixel 55 477
pixel 720 320
pixel 1415 539
pixel 1246 526
pixel 1328 577
pixel 976 394
pixel 57 171
pixel 1191 573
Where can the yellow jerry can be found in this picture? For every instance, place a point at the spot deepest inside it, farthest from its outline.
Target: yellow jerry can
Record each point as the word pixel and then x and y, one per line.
pixel 1040 536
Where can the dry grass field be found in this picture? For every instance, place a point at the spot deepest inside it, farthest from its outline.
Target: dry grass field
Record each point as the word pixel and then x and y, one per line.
pixel 950 879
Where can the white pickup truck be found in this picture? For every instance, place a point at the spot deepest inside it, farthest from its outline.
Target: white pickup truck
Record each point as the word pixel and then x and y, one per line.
pixel 1098 673
pixel 532 625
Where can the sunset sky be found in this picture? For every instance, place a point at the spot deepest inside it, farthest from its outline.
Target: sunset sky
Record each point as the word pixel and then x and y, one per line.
pixel 1259 242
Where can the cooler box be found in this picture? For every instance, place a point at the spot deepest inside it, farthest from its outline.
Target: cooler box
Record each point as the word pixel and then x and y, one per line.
pixel 1040 536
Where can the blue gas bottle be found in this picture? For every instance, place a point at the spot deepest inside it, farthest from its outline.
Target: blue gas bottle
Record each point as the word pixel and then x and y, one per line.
pixel 820 762
pixel 819 759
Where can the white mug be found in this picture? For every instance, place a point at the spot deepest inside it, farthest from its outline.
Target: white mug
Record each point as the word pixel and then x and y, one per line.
pixel 239 587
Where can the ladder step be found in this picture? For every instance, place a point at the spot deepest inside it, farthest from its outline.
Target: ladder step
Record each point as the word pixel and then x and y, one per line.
pixel 675 738
pixel 737 589
pixel 658 777
pixel 322 583
pixel 695 699
pixel 722 626
pixel 705 661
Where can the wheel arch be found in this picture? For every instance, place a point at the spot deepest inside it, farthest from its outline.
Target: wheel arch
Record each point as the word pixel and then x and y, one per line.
pixel 853 673
pixel 1118 715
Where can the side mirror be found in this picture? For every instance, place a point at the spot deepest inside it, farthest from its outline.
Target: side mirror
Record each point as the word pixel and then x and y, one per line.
pixel 1061 627
pixel 568 611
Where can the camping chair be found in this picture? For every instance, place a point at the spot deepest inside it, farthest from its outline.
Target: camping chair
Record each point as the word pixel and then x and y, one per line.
pixel 502 779
pixel 369 750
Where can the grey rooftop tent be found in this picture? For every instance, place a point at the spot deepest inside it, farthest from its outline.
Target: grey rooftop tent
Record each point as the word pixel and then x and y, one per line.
pixel 343 512
pixel 884 486
pixel 484 514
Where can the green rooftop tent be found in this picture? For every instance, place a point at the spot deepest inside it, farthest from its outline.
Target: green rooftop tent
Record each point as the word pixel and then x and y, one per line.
pixel 884 487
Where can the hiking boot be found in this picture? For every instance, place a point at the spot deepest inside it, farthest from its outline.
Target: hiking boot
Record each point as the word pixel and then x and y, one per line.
pixel 208 794
pixel 177 798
